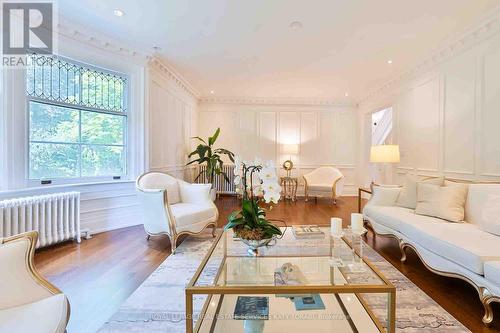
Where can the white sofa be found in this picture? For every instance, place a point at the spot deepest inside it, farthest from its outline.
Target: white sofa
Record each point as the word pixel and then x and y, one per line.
pixel 324 181
pixel 174 207
pixel 461 250
pixel 28 302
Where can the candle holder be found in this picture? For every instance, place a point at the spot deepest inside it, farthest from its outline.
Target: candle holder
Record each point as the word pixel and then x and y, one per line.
pixel 338 249
pixel 357 264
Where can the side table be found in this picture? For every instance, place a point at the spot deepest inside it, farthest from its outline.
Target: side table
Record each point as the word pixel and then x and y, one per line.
pixel 289 186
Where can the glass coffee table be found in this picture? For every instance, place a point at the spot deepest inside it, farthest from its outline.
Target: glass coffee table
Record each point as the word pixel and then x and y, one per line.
pixel 355 296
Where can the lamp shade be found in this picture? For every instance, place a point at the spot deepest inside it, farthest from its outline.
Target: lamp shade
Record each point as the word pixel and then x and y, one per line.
pixel 384 154
pixel 290 149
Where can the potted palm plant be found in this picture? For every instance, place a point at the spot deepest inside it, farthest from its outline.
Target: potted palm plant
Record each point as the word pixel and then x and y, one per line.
pixel 206 153
pixel 256 183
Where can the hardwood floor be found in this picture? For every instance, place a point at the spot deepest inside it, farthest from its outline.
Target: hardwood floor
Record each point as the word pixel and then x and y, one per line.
pixel 99 274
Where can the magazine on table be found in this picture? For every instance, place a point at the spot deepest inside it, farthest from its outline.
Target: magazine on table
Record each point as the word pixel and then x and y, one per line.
pixel 307 232
pixel 255 308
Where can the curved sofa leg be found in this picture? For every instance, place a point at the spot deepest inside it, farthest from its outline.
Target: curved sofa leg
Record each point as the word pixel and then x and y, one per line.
pixel 402 247
pixel 488 311
pixel 214 228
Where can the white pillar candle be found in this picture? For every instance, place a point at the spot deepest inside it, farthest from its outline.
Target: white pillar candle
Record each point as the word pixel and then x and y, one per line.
pixel 336 226
pixel 357 222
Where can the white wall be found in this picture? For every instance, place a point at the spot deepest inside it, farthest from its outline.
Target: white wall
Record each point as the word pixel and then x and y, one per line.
pixel 171 120
pixel 326 135
pixel 447 118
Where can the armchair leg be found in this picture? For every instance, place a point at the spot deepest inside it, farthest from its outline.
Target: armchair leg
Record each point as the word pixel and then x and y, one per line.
pixel 173 244
pixel 148 237
pixel 214 228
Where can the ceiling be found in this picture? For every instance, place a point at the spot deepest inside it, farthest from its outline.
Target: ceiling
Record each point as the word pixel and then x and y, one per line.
pixel 250 48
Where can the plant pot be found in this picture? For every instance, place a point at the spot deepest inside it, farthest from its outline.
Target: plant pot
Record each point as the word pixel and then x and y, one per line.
pixel 253 245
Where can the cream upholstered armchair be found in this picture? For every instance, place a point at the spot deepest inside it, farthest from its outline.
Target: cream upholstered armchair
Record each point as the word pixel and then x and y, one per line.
pixel 174 207
pixel 28 302
pixel 324 181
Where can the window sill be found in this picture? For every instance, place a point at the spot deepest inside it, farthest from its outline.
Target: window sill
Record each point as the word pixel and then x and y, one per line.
pixel 65 187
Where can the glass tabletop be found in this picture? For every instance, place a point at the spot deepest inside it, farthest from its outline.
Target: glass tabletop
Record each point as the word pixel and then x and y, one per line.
pixel 325 261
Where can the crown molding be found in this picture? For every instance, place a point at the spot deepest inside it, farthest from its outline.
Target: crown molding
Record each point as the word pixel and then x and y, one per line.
pixel 488 26
pixel 170 73
pixel 273 101
pixel 96 40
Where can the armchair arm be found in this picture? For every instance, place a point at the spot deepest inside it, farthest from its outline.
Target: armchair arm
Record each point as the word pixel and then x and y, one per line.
pixel 20 282
pixel 195 193
pixel 384 196
pixel 338 186
pixel 156 212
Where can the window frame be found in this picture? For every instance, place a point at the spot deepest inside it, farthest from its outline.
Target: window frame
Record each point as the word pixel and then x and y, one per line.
pixel 125 132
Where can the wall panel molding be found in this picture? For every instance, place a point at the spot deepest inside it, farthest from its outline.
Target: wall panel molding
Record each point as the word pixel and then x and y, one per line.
pixel 464 125
pixel 326 136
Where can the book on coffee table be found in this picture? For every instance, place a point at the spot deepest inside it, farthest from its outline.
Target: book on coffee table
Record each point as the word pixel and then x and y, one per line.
pixel 307 232
pixel 312 302
pixel 254 308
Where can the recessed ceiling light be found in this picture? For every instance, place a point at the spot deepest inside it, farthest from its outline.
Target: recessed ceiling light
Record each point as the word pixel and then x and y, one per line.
pixel 296 25
pixel 118 12
pixel 212 92
pixel 346 94
pixel 389 61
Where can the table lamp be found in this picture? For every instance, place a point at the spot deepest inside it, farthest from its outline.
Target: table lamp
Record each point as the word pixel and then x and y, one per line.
pixel 289 149
pixel 384 154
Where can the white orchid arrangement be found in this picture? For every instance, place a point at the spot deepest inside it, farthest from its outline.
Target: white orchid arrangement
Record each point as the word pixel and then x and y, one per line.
pixel 254 180
pixel 258 178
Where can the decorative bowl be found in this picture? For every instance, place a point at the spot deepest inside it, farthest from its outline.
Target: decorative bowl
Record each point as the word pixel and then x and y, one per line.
pixel 253 245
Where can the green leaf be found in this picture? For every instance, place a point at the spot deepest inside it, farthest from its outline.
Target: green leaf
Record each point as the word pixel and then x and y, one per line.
pixel 234 223
pixel 214 137
pixel 198 138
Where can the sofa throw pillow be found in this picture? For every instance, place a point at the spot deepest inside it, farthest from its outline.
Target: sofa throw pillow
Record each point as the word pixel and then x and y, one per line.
pixel 384 195
pixel 444 202
pixel 490 216
pixel 408 196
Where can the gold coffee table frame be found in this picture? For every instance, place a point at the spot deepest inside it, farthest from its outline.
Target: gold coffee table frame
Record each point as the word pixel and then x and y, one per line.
pixel 191 290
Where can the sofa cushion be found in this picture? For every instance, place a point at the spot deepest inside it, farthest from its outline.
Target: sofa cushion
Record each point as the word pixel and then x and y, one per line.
pixel 187 214
pixel 384 196
pixel 483 207
pixel 446 202
pixel 492 271
pixel 464 243
pixel 48 315
pixel 408 196
pixel 320 187
pixel 388 216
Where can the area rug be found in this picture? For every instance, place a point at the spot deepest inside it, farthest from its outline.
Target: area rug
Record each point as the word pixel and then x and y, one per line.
pixel 158 304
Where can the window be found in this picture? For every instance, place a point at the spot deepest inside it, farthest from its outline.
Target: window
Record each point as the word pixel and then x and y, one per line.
pixel 77 120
